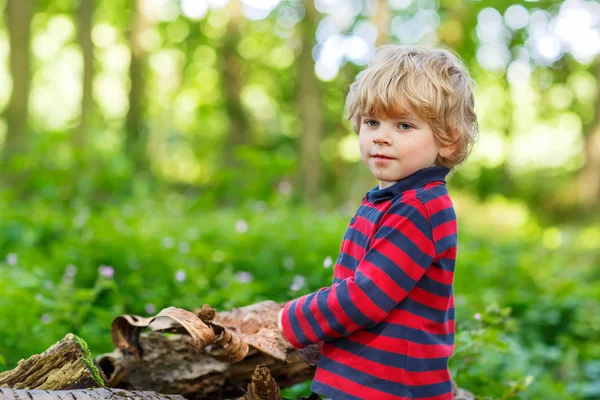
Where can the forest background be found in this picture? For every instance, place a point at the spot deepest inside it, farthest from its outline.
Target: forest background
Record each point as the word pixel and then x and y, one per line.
pixel 174 153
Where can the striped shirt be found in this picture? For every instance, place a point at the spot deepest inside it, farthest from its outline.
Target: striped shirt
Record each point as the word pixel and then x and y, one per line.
pixel 387 320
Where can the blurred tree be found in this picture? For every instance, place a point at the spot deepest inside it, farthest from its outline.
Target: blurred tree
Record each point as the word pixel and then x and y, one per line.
pixel 18 21
pixel 589 178
pixel 311 107
pixel 233 80
pixel 136 138
pixel 381 19
pixel 84 19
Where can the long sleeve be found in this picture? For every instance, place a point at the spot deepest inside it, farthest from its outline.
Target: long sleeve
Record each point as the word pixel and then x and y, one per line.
pixel 401 251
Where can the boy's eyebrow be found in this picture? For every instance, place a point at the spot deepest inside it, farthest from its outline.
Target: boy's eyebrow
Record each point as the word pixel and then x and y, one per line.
pixel 402 115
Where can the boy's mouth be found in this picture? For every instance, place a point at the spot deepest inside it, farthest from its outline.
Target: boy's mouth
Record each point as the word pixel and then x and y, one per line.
pixel 382 157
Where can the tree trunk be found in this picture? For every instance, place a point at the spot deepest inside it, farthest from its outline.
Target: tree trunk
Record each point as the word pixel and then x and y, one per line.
pixel 66 365
pixel 18 21
pixel 85 15
pixel 310 110
pixel 589 178
pixel 82 394
pixel 381 19
pixel 233 81
pixel 136 139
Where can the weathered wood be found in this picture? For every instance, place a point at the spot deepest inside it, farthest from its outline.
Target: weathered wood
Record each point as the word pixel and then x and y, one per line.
pixel 82 394
pixel 174 364
pixel 68 364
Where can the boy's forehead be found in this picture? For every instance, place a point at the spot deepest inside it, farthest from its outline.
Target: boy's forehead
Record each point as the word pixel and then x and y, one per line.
pixel 399 108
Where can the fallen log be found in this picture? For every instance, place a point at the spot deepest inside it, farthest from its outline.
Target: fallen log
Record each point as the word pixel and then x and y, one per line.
pixel 82 394
pixel 68 364
pixel 206 355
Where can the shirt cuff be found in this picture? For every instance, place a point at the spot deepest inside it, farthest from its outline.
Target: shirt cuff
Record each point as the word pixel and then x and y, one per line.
pixel 288 331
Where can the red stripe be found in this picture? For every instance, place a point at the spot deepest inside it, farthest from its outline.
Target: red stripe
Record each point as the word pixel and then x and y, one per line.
pixel 380 206
pixel 450 254
pixel 383 281
pixel 429 299
pixel 364 303
pixel 439 275
pixel 438 204
pixel 432 185
pixel 401 346
pixel 342 272
pixel 364 226
pixel 321 320
pixel 445 229
pixel 394 374
pixel 353 249
pixel 338 311
pixel 409 194
pixel 403 317
pixel 352 388
pixel 304 324
pixel 399 257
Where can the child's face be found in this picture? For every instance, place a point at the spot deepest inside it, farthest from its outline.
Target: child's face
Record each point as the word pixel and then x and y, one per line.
pixel 397 147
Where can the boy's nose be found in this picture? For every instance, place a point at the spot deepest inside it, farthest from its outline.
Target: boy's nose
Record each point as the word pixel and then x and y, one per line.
pixel 381 137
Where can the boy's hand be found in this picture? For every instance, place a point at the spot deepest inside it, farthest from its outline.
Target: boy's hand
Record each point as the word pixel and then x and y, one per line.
pixel 279 325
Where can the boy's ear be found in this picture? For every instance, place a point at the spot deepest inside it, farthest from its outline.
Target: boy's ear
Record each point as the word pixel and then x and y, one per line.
pixel 447 151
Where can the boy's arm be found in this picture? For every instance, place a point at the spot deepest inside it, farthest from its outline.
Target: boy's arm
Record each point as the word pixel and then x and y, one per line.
pixel 401 251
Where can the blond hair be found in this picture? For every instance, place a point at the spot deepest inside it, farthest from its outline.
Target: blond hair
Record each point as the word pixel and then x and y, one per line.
pixel 433 81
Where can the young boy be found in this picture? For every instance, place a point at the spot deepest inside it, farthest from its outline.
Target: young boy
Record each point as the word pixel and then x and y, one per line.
pixel 387 321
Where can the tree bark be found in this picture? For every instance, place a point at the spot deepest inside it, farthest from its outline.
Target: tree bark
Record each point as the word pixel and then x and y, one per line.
pixel 66 365
pixel 381 19
pixel 135 143
pixel 589 178
pixel 18 21
pixel 233 81
pixel 310 109
pixel 83 394
pixel 85 16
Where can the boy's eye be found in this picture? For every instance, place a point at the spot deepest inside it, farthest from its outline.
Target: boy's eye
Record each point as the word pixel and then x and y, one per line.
pixel 404 126
pixel 370 122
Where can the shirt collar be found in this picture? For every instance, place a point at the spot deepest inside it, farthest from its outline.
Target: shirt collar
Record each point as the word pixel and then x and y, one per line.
pixel 416 180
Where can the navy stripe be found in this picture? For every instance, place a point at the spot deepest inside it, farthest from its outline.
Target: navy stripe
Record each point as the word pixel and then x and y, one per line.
pixel 434 287
pixel 331 319
pixel 387 358
pixel 348 306
pixel 374 293
pixel 397 331
pixel 370 213
pixel 348 261
pixel 357 237
pixel 391 269
pixel 413 215
pixel 424 311
pixel 331 392
pixel 447 264
pixel 312 321
pixel 296 324
pixel 433 193
pixel 445 243
pixel 419 392
pixel 443 216
pixel 401 241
